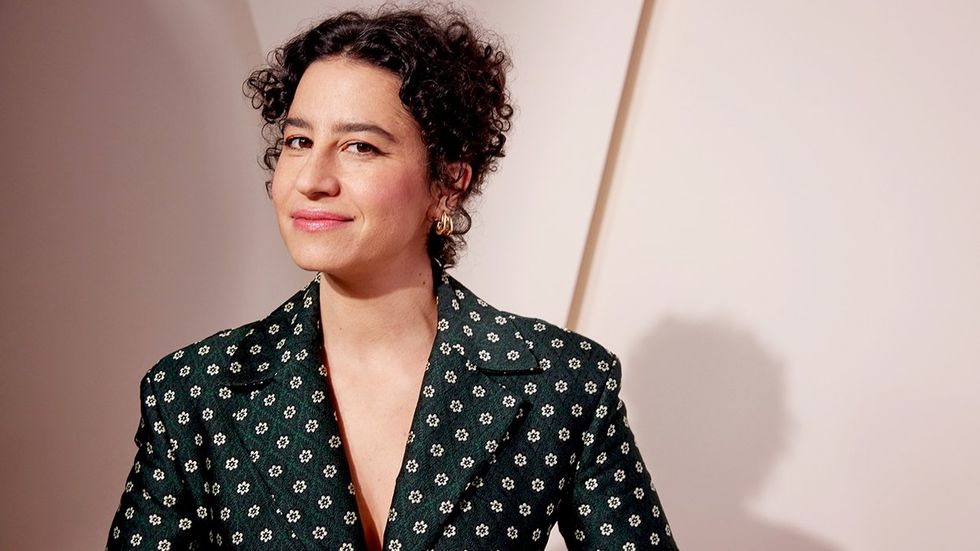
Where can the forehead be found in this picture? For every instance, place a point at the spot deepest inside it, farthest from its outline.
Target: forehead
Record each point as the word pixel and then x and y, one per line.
pixel 342 89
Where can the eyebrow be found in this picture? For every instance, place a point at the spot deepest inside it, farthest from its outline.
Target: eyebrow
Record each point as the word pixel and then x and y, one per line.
pixel 348 126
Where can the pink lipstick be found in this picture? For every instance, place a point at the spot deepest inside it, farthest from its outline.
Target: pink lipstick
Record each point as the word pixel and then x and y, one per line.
pixel 318 220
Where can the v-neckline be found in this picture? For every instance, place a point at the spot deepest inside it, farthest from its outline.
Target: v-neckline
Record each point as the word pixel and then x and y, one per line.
pixel 344 446
pixel 441 290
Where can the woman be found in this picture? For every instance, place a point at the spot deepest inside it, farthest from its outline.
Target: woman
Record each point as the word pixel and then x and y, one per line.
pixel 385 406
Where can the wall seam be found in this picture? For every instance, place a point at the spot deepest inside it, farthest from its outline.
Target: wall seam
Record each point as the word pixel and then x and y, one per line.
pixel 609 166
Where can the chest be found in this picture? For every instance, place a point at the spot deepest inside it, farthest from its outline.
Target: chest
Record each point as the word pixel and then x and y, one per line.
pixel 374 416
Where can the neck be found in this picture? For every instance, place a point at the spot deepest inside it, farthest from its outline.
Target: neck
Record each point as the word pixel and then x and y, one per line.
pixel 374 318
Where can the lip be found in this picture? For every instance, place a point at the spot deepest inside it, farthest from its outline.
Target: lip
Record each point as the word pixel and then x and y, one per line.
pixel 317 220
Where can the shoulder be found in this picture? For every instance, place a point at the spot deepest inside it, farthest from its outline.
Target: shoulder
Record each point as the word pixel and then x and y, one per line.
pixel 561 348
pixel 575 361
pixel 194 358
pixel 562 358
pixel 576 378
pixel 221 356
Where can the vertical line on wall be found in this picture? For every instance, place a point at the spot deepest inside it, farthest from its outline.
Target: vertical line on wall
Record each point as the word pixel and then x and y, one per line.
pixel 609 167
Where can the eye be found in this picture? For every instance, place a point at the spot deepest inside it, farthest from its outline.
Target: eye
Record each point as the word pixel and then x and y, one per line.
pixel 295 142
pixel 363 148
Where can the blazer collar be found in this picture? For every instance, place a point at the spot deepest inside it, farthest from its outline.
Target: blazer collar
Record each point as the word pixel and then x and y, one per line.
pixel 296 325
pixel 474 342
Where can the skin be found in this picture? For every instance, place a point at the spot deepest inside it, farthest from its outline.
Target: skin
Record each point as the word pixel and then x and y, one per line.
pixel 376 292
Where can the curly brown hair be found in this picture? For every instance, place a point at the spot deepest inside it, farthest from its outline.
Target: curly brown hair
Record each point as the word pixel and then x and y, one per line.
pixel 452 82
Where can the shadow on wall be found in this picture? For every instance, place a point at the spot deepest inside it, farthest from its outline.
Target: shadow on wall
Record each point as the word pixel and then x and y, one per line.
pixel 715 400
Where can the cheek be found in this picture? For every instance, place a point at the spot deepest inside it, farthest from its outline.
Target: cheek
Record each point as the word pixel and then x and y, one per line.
pixel 412 189
pixel 277 188
pixel 398 210
pixel 407 201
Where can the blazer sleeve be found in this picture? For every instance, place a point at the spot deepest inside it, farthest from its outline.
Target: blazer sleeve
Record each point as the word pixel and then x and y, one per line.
pixel 612 503
pixel 156 510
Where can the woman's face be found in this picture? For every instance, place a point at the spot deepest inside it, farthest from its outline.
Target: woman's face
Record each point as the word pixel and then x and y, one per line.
pixel 350 188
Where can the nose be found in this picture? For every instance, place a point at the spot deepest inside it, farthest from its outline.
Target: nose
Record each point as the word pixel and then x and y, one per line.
pixel 318 175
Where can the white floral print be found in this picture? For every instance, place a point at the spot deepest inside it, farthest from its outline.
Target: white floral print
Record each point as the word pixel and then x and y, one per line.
pixel 518 426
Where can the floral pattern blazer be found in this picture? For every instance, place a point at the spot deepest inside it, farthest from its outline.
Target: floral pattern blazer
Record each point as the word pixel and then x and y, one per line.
pixel 518 425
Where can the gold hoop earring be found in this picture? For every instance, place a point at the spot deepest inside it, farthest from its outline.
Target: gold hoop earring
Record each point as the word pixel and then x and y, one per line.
pixel 444 226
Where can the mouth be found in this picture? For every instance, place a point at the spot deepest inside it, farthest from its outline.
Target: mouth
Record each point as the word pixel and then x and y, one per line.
pixel 316 220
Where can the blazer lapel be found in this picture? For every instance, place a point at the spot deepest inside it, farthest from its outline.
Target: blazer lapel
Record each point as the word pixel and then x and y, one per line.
pixel 290 427
pixel 464 416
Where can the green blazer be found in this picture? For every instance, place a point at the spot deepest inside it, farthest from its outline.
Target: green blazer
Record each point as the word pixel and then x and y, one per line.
pixel 518 425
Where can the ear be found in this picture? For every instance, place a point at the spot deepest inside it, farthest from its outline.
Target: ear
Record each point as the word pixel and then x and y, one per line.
pixel 462 173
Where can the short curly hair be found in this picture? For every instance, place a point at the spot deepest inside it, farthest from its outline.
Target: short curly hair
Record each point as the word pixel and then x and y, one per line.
pixel 453 82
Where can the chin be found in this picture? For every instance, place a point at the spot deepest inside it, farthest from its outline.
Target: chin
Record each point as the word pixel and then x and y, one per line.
pixel 319 259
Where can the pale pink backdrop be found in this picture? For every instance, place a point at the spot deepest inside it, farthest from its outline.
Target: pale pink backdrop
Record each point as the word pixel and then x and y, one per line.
pixel 778 204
